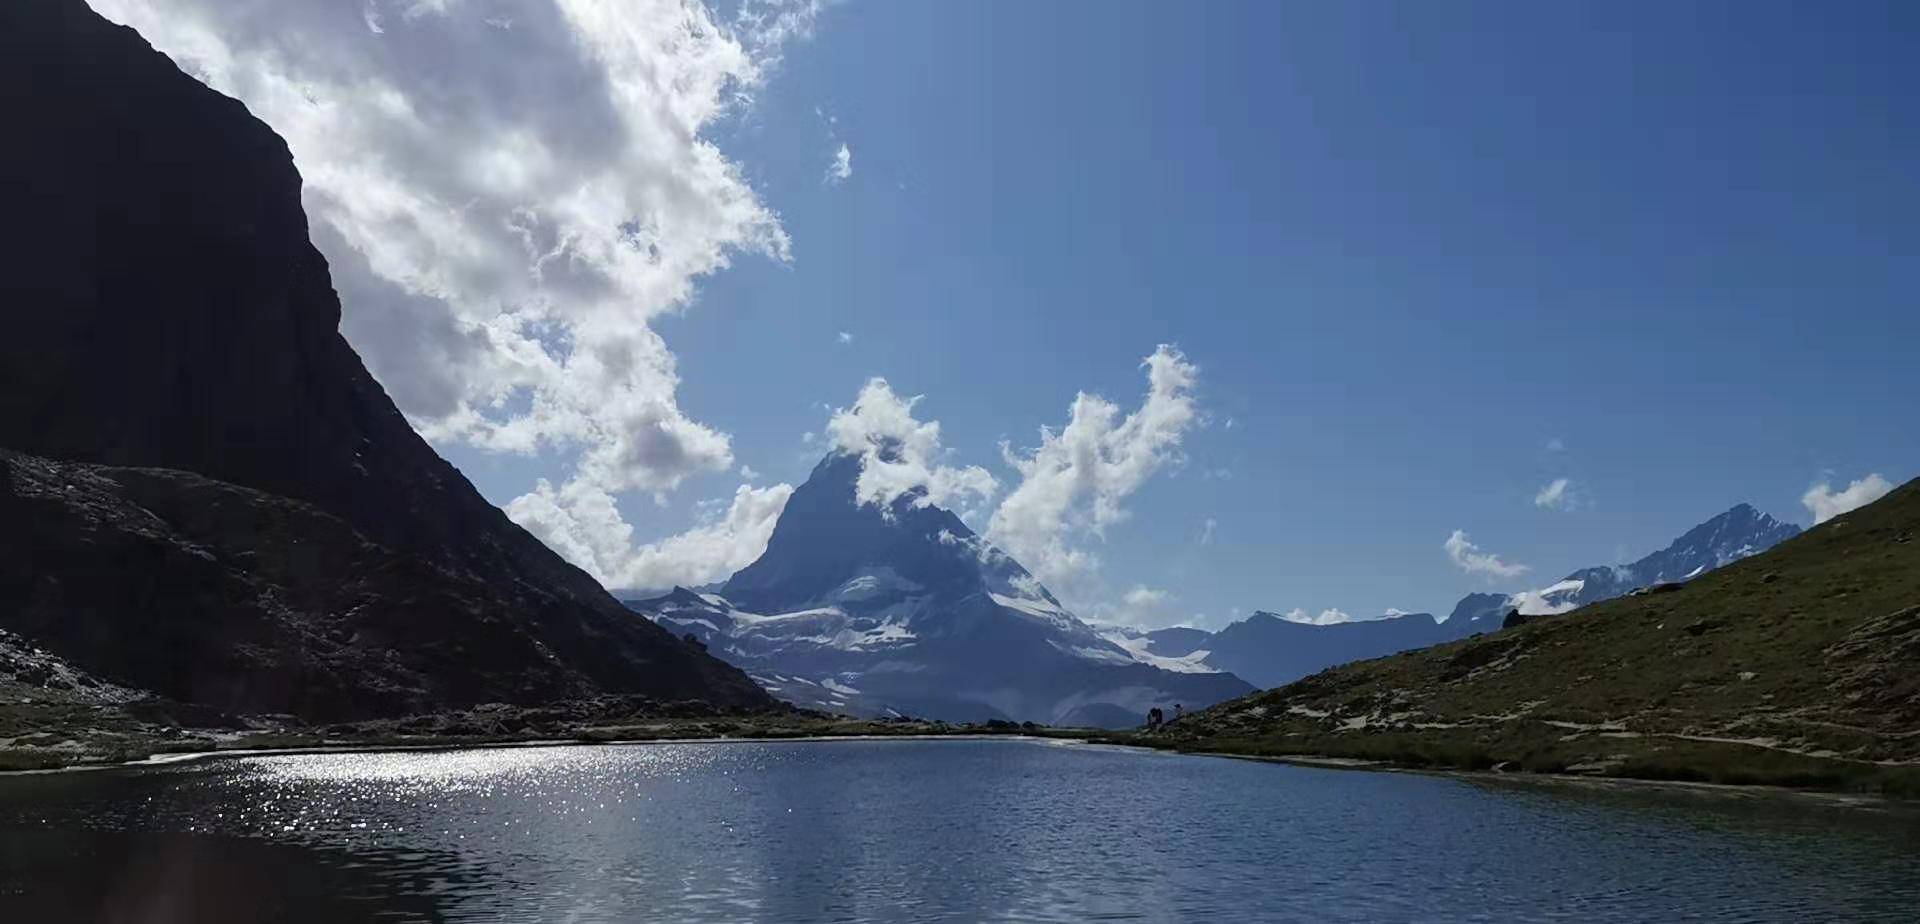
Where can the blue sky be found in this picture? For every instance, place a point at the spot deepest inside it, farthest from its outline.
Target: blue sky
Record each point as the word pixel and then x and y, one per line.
pixel 1427 257
pixel 1407 247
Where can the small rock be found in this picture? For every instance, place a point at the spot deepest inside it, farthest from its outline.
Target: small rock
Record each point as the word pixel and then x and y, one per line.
pixel 1702 626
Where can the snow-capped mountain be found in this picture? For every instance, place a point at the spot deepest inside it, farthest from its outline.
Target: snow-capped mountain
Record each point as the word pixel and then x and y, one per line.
pixel 1727 538
pixel 1270 650
pixel 870 610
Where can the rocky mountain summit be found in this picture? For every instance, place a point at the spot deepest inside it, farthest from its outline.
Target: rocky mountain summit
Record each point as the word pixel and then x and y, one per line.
pixel 206 495
pixel 1722 540
pixel 903 609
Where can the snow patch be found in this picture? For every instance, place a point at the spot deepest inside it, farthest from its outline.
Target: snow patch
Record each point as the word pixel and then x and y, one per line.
pixel 1137 647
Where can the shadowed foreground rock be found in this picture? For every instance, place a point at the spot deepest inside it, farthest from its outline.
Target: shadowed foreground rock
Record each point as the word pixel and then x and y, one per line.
pixel 214 500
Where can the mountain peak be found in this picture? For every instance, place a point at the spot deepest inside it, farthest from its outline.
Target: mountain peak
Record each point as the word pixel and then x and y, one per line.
pixel 869 607
pixel 826 537
pixel 1727 537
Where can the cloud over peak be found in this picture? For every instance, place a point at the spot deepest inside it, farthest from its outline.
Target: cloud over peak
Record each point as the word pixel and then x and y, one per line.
pixel 1469 558
pixel 1326 617
pixel 1825 503
pixel 1074 484
pixel 901 456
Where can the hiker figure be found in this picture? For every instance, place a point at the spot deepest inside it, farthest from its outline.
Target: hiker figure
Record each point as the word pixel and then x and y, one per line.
pixel 1153 718
pixel 1178 711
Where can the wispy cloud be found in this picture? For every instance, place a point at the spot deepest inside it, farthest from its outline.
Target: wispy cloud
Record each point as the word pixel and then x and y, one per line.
pixel 845 337
pixel 1469 558
pixel 1554 496
pixel 1075 484
pixel 840 169
pixel 1825 503
pixel 1206 530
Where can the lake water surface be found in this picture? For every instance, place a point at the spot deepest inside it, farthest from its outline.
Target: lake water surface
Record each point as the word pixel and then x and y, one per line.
pixel 960 830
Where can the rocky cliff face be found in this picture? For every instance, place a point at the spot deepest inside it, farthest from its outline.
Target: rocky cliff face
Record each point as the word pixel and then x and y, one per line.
pixel 167 311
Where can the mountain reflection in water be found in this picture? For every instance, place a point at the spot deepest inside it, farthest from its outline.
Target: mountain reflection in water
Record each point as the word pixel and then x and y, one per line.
pixel 911 831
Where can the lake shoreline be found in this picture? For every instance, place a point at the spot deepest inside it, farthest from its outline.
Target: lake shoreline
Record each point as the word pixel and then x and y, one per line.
pixel 1525 778
pixel 885 731
pixel 71 748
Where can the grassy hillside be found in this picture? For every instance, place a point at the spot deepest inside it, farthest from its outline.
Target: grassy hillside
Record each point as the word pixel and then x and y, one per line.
pixel 1799 666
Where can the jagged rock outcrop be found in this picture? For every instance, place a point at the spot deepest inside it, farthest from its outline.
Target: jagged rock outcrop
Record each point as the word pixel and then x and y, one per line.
pixel 285 538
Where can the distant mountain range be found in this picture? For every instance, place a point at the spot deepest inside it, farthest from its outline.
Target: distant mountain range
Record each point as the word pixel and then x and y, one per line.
pixel 1723 540
pixel 903 609
pixel 1269 650
pixel 1798 666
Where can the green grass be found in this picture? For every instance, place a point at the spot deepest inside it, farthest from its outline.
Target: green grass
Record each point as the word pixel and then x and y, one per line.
pixel 1813 646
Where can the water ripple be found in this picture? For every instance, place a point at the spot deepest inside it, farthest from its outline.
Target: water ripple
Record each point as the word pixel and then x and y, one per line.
pixel 918 831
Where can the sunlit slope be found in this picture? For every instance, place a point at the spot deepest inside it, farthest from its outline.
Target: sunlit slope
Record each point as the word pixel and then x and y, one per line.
pixel 1799 665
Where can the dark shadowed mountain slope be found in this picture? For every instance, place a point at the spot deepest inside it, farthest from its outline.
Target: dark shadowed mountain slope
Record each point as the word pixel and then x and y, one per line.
pixel 1800 664
pixel 867 610
pixel 166 311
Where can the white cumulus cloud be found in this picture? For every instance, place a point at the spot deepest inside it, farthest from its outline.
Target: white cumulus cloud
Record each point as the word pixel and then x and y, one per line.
pixel 1825 503
pixel 901 456
pixel 1074 484
pixel 509 193
pixel 1537 603
pixel 1468 557
pixel 1326 617
pixel 582 523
